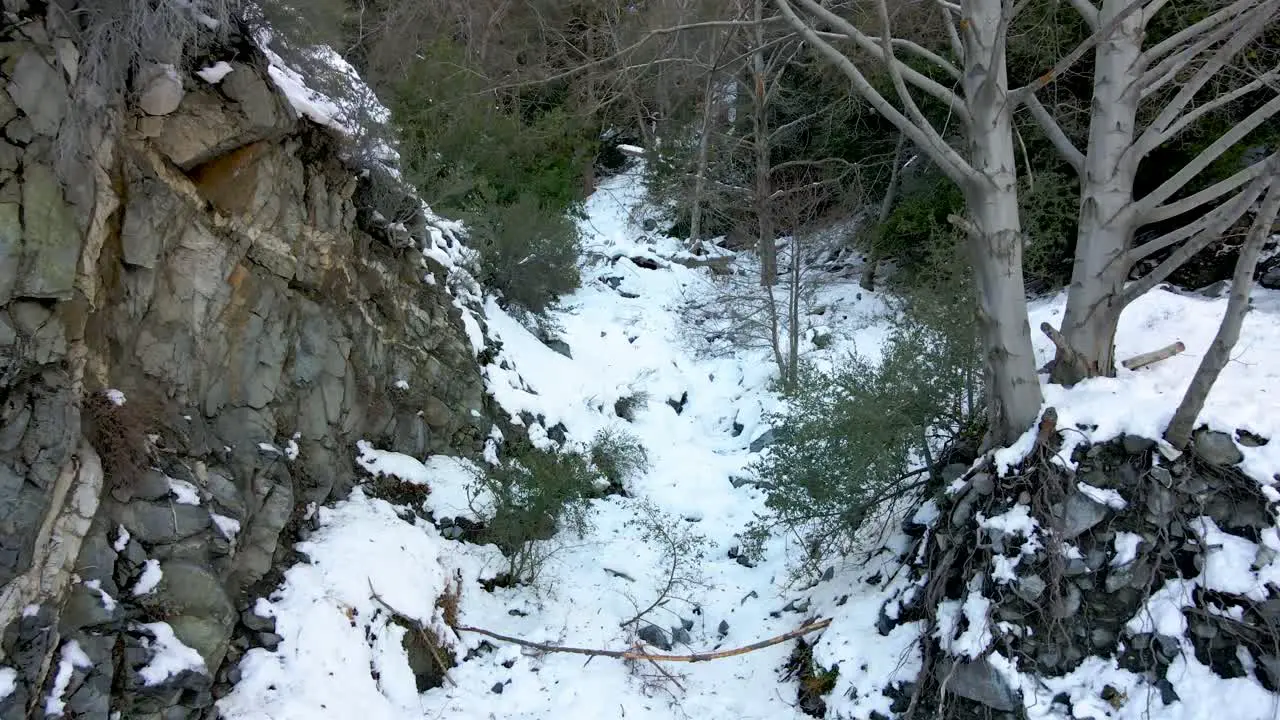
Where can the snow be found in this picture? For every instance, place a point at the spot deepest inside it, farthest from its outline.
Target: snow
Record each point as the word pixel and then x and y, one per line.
pixel 215 72
pixel 1102 496
pixel 8 681
pixel 337 634
pixel 184 492
pixel 169 656
pixel 70 657
pixel 1126 545
pixel 402 384
pixel 149 579
pixel 228 526
pixel 115 396
pixel 122 539
pixel 108 602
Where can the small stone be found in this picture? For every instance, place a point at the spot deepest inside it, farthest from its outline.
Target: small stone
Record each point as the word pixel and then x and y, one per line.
pixel 723 628
pixel 983 484
pixel 744 561
pixel 1069 604
pixel 1102 638
pixel 256 622
pixel 1217 448
pixel 827 574
pixel 686 623
pixel 680 635
pixel 1030 588
pixel 1249 439
pixel 655 635
pixel 1137 445
pixel 269 641
pixel 1168 646
pixel 1080 515
pixel 1168 695
pixel 497 688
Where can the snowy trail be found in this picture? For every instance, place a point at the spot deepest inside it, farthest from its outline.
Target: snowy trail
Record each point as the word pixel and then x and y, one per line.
pixel 342 656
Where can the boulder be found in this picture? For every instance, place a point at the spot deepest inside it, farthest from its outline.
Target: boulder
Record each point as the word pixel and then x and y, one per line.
pixel 159 89
pixel 51 237
pixel 39 91
pixel 1216 448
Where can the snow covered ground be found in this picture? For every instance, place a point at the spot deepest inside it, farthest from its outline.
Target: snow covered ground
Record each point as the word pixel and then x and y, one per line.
pixel 342 656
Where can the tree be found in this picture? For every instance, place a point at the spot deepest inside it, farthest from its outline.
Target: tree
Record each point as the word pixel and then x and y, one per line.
pixel 1179 431
pixel 977 32
pixel 1143 99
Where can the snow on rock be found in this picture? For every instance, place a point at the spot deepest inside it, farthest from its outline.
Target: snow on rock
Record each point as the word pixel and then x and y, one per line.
pixel 169 656
pixel 122 539
pixel 115 396
pixel 183 492
pixel 149 579
pixel 108 602
pixel 70 658
pixel 215 72
pixel 8 681
pixel 228 526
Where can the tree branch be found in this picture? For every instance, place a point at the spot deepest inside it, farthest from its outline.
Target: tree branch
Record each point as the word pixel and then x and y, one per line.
pixel 948 160
pixel 1088 11
pixel 865 43
pixel 641 655
pixel 1234 208
pixel 1076 54
pixel 1196 30
pixel 1054 132
pixel 1191 117
pixel 1208 155
pixel 1210 232
pixel 949 22
pixel 1209 194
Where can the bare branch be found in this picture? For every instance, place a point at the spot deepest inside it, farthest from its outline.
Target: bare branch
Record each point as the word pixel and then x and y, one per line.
pixel 1208 195
pixel 1208 155
pixel 1164 127
pixel 948 160
pixel 1053 131
pixel 1207 234
pixel 871 46
pixel 1231 210
pixel 1197 30
pixel 1088 11
pixel 949 22
pixel 1137 362
pixel 1191 117
pixel 895 73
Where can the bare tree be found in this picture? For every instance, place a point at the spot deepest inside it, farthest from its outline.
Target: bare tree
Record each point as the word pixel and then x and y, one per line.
pixel 1179 432
pixel 977 31
pixel 1162 82
pixel 868 279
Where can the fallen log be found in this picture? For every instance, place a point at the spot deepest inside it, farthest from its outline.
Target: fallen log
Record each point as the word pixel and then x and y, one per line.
pixel 1150 358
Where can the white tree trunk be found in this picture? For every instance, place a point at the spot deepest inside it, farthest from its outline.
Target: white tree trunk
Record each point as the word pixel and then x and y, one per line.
pixel 1107 220
pixel 995 231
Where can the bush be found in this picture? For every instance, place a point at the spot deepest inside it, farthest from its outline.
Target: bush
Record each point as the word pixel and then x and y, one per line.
pixel 1050 212
pixel 528 252
pixel 535 493
pixel 848 440
pixel 619 456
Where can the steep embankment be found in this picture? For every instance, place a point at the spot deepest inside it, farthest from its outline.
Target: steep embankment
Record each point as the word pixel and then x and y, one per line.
pixel 196 326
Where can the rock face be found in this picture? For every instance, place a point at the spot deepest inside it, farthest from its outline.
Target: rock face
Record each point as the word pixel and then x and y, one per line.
pixel 196 325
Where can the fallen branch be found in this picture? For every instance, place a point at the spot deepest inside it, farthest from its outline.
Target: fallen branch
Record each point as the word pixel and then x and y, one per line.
pixel 422 632
pixel 1140 361
pixel 636 654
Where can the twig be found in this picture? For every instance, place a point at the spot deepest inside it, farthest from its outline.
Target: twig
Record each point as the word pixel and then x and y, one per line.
pixel 1150 358
pixel 640 655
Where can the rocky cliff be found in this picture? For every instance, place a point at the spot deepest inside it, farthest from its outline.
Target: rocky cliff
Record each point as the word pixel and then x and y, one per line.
pixel 198 320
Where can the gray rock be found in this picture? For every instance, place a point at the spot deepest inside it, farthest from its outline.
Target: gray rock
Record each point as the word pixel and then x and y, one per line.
pixel 764 440
pixel 257 623
pixel 20 131
pixel 982 484
pixel 269 641
pixel 497 688
pixel 84 608
pixel 1080 515
pixel 680 635
pixel 10 249
pixel 260 104
pixel 257 543
pixel 1030 588
pixel 1136 444
pixel 154 523
pixel 51 237
pixel 977 681
pixel 1216 448
pixel 655 636
pixel 723 628
pixel 39 90
pixel 1069 604
pixel 205 635
pixel 159 88
pixel 1102 638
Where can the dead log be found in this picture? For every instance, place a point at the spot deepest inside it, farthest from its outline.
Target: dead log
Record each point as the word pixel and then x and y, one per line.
pixel 1150 358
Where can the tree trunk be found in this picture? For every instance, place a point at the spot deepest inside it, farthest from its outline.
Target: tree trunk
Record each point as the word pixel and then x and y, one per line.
pixel 1179 432
pixel 793 316
pixel 1107 220
pixel 868 281
pixel 704 146
pixel 995 232
pixel 766 246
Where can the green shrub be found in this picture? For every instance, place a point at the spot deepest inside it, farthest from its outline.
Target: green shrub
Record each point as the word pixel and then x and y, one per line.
pixel 1049 209
pixel 619 456
pixel 534 494
pixel 848 440
pixel 528 252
